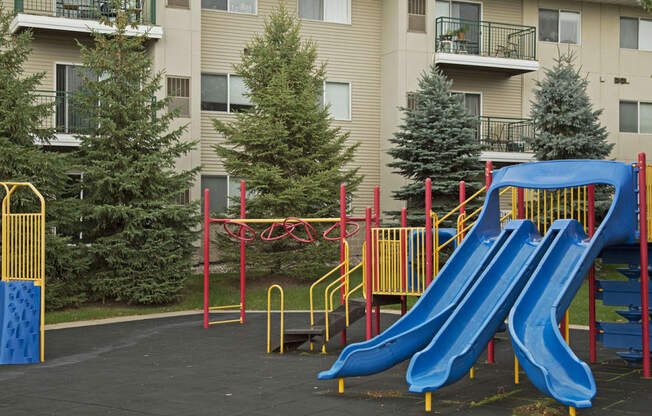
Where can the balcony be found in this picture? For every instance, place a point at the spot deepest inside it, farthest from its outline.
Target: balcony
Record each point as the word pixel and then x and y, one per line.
pixel 66 119
pixel 84 16
pixel 491 46
pixel 505 139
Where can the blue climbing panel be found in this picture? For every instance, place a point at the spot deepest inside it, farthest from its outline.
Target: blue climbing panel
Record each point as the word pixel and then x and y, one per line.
pixel 20 320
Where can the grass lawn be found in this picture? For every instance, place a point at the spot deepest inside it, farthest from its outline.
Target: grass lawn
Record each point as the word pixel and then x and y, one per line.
pixel 225 291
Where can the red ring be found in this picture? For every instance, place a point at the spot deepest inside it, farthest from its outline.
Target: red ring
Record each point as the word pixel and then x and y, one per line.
pixel 270 229
pixel 246 227
pixel 308 228
pixel 332 227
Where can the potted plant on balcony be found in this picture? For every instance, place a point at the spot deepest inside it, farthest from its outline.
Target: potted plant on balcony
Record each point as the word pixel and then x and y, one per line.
pixel 449 35
pixel 461 32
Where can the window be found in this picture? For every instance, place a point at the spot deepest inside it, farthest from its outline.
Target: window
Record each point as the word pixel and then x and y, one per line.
pixel 179 93
pixel 182 4
pixel 417 16
pixel 223 93
pixel 338 95
pixel 234 6
pixel 69 83
pixel 472 102
pixel 635 33
pixel 221 188
pixel 336 11
pixel 559 26
pixel 635 117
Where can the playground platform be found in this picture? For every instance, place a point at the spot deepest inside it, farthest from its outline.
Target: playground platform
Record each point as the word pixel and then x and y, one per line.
pixel 172 366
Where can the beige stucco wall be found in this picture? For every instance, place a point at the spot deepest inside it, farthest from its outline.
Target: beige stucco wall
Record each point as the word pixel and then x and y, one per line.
pixel 601 59
pixel 353 55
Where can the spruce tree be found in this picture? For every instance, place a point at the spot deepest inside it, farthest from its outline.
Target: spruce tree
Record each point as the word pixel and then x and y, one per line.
pixel 284 146
pixel 437 140
pixel 140 237
pixel 566 125
pixel 23 132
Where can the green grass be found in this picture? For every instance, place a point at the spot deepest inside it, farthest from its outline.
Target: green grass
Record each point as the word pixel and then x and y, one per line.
pixel 225 291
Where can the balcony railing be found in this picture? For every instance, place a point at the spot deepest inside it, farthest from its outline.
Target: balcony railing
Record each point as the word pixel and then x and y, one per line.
pixel 142 11
pixel 66 117
pixel 502 134
pixel 478 37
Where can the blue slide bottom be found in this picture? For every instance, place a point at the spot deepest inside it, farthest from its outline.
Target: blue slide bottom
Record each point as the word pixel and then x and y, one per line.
pixel 20 320
pixel 415 330
pixel 463 337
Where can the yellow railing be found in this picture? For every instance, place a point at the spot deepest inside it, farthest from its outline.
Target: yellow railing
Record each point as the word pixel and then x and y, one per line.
pixel 362 284
pixel 23 246
pixel 333 290
pixel 269 316
pixel 396 269
pixel 543 207
pixel 344 264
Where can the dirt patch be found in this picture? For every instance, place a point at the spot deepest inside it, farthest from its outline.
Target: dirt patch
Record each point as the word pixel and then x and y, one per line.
pixel 541 408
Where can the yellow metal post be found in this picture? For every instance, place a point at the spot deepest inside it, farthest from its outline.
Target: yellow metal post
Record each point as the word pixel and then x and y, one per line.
pixel 571 411
pixel 428 401
pixel 516 370
pixel 269 315
pixel 471 374
pixel 340 385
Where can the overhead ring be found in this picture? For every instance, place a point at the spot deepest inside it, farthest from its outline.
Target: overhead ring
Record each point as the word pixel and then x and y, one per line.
pixel 266 235
pixel 291 223
pixel 346 235
pixel 242 225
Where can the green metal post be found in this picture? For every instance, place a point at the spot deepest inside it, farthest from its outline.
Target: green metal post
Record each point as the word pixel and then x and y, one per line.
pixel 153 11
pixel 19 6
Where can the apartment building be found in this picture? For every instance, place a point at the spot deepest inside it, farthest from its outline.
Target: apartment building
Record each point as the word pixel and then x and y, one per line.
pixel 493 50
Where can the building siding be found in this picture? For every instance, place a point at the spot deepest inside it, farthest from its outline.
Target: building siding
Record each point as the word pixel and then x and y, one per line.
pixel 352 53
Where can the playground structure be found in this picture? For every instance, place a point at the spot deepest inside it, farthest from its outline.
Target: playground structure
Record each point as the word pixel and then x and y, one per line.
pixel 531 258
pixel 22 283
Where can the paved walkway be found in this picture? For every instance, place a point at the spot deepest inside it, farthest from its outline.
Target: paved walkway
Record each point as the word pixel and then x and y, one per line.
pixel 172 366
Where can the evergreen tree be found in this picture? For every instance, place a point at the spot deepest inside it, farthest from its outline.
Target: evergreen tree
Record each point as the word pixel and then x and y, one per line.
pixel 292 158
pixel 23 131
pixel 437 140
pixel 566 125
pixel 647 5
pixel 141 238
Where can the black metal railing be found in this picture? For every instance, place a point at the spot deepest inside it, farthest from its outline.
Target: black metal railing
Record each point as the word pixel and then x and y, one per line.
pixel 479 37
pixel 141 11
pixel 504 134
pixel 66 117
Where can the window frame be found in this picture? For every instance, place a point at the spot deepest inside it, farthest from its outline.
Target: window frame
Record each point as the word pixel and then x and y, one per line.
pixel 465 92
pixel 327 21
pixel 229 178
pixel 189 97
pixel 323 96
pixel 167 5
pixel 638 116
pixel 638 32
pixel 559 12
pixel 228 92
pixel 228 4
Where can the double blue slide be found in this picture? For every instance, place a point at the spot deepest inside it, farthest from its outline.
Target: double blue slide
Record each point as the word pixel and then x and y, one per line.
pixel 496 271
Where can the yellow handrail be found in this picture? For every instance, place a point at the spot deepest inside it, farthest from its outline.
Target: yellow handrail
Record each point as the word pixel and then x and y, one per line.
pixel 344 264
pixel 332 291
pixel 457 208
pixel 269 314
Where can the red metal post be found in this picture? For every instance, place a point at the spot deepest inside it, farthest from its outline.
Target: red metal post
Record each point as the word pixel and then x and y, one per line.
pixel 342 249
pixel 428 232
pixel 488 175
pixel 403 260
pixel 243 263
pixel 592 330
pixel 520 203
pixel 462 197
pixel 368 268
pixel 377 225
pixel 642 223
pixel 207 238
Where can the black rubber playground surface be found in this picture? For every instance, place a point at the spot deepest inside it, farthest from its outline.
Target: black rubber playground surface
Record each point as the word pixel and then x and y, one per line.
pixel 173 366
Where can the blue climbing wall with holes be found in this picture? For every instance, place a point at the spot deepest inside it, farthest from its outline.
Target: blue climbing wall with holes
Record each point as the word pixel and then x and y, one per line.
pixel 20 314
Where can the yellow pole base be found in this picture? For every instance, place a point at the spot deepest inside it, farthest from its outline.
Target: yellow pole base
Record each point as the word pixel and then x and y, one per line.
pixel 312 346
pixel 323 349
pixel 340 385
pixel 516 380
pixel 471 374
pixel 571 411
pixel 428 401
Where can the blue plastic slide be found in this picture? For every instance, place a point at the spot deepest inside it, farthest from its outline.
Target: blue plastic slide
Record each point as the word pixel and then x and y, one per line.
pixel 533 321
pixel 467 331
pixel 415 330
